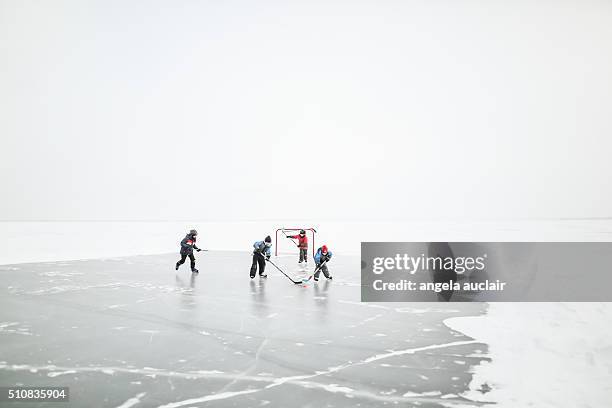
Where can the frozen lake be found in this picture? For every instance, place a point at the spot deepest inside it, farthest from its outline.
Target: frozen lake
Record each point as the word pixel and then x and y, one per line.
pixel 133 332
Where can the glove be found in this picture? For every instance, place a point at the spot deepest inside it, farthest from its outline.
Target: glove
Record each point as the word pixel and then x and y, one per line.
pixel 289 237
pixel 326 258
pixel 267 257
pixel 198 249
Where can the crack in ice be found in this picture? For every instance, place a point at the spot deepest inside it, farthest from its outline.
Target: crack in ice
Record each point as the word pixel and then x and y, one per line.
pixel 212 397
pixel 132 401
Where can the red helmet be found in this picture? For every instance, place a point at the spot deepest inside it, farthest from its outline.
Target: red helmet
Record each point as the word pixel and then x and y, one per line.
pixel 324 249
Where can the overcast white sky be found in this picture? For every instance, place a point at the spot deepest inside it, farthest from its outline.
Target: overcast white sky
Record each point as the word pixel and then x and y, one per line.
pixel 313 109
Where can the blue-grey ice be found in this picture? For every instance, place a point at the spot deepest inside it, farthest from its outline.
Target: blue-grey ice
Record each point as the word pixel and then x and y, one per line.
pixel 133 332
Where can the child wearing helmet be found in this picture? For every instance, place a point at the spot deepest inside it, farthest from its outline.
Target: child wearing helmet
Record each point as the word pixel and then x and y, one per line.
pixel 188 244
pixel 262 251
pixel 322 258
pixel 302 245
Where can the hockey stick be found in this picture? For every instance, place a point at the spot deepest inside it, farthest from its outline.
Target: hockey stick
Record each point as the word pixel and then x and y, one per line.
pixel 296 244
pixel 280 270
pixel 315 271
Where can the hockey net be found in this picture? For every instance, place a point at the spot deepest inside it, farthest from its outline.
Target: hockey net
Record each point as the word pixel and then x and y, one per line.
pixel 284 246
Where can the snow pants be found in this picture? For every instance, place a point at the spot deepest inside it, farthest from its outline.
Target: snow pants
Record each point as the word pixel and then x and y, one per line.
pixel 303 254
pixel 184 256
pixel 322 269
pixel 258 260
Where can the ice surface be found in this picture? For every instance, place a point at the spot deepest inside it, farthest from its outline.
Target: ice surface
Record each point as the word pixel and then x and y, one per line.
pixel 132 332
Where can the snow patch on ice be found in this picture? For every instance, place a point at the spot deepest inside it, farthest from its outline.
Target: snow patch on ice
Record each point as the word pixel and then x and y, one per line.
pixel 15 328
pixel 422 394
pixel 337 388
pixel 390 392
pixel 542 354
pixel 67 288
pixel 208 372
pixel 60 274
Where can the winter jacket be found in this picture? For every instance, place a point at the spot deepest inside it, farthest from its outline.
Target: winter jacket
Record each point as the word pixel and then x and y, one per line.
pixel 188 244
pixel 260 246
pixel 319 257
pixel 302 241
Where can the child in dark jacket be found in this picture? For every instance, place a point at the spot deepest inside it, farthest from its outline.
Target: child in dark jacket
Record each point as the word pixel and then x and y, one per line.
pixel 188 244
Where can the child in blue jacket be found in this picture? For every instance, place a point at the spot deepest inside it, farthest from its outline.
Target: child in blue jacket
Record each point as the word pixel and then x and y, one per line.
pixel 321 258
pixel 262 251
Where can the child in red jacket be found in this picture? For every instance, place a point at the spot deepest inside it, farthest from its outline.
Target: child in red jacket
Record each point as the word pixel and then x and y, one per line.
pixel 302 244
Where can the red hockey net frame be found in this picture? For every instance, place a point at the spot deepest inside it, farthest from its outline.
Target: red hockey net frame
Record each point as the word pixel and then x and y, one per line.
pixel 294 231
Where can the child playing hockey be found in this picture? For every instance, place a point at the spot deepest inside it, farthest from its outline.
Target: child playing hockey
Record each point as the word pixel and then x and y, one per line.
pixel 261 253
pixel 321 258
pixel 188 244
pixel 302 244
